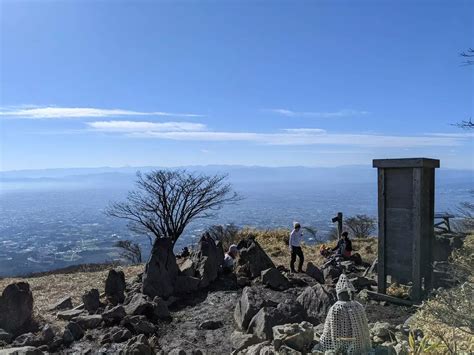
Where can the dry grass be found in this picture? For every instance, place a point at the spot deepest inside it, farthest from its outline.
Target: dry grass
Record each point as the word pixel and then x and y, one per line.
pixel 49 289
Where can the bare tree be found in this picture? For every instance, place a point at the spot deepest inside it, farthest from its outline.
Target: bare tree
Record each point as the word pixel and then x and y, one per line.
pixel 130 251
pixel 166 201
pixel 360 225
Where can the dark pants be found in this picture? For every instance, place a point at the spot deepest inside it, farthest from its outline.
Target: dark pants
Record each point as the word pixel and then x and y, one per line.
pixel 296 251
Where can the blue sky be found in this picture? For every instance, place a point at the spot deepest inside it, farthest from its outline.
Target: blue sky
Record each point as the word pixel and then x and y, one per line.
pixel 313 83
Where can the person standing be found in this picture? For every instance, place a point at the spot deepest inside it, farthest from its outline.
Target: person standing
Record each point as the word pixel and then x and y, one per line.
pixel 295 247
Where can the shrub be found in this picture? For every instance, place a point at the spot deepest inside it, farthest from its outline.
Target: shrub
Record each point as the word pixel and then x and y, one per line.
pixel 130 251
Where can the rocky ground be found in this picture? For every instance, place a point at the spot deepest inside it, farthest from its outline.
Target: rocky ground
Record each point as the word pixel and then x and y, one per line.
pixel 191 307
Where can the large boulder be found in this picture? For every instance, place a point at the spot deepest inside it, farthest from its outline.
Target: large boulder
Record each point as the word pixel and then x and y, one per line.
pixel 115 287
pixel 139 305
pixel 317 300
pixel 248 305
pixel 138 345
pixel 114 315
pixel 332 272
pixel 274 279
pixel 186 284
pixel 161 270
pixel 187 268
pixel 241 340
pixel 263 322
pixel 91 300
pixel 252 259
pixel 207 260
pixel 16 307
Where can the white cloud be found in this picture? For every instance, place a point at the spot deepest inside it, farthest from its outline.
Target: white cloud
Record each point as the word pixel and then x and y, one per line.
pixel 186 131
pixel 134 126
pixel 335 114
pixel 80 112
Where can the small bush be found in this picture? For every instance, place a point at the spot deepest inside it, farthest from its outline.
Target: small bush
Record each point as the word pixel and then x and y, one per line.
pixel 130 251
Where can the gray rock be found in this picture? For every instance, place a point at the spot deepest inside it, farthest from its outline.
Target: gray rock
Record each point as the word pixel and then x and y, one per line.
pixel 116 335
pixel 91 300
pixel 187 268
pixel 242 340
pixel 5 336
pixel 160 309
pixel 381 330
pixel 70 314
pixel 24 350
pixel 138 346
pixel 292 312
pixel 89 321
pixel 332 273
pixel 296 336
pixel 186 284
pixel 314 272
pixel 76 330
pixel 67 337
pixel 138 305
pixel 252 259
pixel 247 307
pixel 262 323
pixel 211 325
pixel 114 315
pixel 47 334
pixel 257 348
pixel 317 300
pixel 361 283
pixel 161 270
pixel 65 303
pixel 139 324
pixel 27 339
pixel 16 307
pixel 274 279
pixel 115 287
pixel 206 260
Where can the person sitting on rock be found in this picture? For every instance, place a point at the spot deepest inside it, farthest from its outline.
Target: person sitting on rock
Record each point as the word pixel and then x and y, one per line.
pixel 295 247
pixel 346 328
pixel 344 246
pixel 229 258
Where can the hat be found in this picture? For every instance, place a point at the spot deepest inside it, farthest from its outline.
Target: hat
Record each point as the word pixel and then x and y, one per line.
pixel 344 285
pixel 233 249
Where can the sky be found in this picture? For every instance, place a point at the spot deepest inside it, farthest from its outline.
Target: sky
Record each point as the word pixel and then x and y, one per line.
pixel 281 83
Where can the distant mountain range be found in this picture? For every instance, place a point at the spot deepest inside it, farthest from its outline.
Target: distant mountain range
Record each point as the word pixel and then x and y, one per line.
pixel 107 176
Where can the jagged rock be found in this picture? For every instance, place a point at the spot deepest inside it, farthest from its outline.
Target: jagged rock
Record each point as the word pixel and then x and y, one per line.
pixel 67 337
pixel 296 336
pixel 292 311
pixel 220 253
pixel 138 305
pixel 139 324
pixel 47 334
pixel 314 272
pixel 252 259
pixel 206 259
pixel 316 301
pixel 115 287
pixel 70 314
pixel 116 335
pixel 274 279
pixel 114 315
pixel 16 307
pixel 24 350
pixel 262 323
pixel 76 330
pixel 65 303
pixel 27 339
pixel 91 300
pixel 211 325
pixel 186 284
pixel 332 273
pixel 5 336
pixel 257 348
pixel 187 268
pixel 361 282
pixel 161 270
pixel 160 309
pixel 356 258
pixel 138 346
pixel 89 321
pixel 242 340
pixel 247 306
pixel 381 330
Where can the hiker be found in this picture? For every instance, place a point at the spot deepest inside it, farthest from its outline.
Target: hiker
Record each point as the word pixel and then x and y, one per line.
pixel 229 258
pixel 344 246
pixel 295 247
